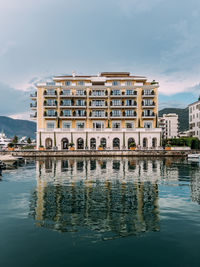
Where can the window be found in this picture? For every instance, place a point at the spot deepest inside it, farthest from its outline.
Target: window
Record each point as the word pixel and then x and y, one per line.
pixel 128 83
pixel 116 102
pixel 79 92
pixel 67 112
pixel 80 113
pixel 148 92
pixel 116 92
pixel 115 83
pixel 98 125
pixel 66 102
pixel 129 125
pixel 116 125
pixel 148 102
pixel 51 113
pixel 98 93
pixel 98 113
pixel 81 83
pixel 80 125
pixel 147 124
pixel 50 125
pixel 50 92
pixel 68 83
pixel 80 102
pixel 129 113
pixel 130 102
pixel 116 113
pixel 66 92
pixel 129 92
pixel 66 125
pixel 98 103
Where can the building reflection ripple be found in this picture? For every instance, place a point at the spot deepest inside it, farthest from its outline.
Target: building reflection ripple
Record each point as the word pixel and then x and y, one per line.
pixel 113 197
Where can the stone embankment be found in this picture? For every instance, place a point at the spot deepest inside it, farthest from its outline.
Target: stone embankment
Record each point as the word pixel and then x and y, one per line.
pixel 101 153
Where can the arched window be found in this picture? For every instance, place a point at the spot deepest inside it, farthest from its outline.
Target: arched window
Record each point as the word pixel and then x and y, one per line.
pixel 103 142
pixel 92 143
pixel 64 143
pixel 130 142
pixel 48 143
pixel 116 143
pixel 80 143
pixel 145 142
pixel 154 142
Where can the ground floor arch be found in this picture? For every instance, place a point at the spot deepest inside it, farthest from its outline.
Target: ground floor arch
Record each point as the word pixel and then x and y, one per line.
pixel 116 143
pixel 64 143
pixel 80 143
pixel 130 142
pixel 103 142
pixel 145 142
pixel 154 142
pixel 48 143
pixel 92 143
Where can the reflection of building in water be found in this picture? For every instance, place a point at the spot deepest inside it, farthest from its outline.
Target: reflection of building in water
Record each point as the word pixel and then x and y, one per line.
pixel 74 193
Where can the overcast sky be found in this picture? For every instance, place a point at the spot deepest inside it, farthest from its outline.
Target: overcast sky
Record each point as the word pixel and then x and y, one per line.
pixel 156 38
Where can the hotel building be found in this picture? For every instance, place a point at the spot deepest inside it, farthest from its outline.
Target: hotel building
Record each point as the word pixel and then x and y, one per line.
pixel 111 109
pixel 169 125
pixel 194 119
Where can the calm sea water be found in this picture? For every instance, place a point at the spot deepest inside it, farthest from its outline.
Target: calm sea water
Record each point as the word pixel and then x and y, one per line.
pixel 101 212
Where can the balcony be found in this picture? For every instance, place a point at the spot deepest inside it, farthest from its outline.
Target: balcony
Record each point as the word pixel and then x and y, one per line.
pixel 34 95
pixel 50 115
pixel 33 105
pixel 148 105
pixel 51 93
pixel 33 116
pixel 50 105
pixel 65 94
pixel 149 95
pixel 148 116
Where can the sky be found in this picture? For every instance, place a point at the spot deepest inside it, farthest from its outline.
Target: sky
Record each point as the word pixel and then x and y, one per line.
pixel 159 39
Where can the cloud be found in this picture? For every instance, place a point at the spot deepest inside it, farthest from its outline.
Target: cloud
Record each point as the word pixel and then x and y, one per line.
pixel 12 100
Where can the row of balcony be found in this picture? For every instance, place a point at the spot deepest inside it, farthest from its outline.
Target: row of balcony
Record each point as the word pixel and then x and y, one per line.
pixel 94 94
pixel 74 115
pixel 112 105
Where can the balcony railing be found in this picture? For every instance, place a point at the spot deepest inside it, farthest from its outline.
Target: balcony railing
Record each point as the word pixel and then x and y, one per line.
pixel 152 93
pixel 50 114
pixel 33 105
pixel 148 115
pixel 50 104
pixel 33 116
pixel 50 93
pixel 33 95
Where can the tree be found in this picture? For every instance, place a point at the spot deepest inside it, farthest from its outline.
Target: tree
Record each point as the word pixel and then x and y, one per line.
pixel 29 140
pixel 15 139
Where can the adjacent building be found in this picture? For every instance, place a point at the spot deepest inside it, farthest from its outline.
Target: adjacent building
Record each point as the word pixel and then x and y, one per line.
pixel 111 109
pixel 169 125
pixel 194 119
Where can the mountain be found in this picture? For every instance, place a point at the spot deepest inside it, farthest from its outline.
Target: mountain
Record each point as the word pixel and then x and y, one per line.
pixel 183 116
pixel 20 128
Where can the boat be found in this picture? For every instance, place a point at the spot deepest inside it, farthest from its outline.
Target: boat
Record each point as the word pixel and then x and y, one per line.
pixel 9 160
pixel 4 141
pixel 194 157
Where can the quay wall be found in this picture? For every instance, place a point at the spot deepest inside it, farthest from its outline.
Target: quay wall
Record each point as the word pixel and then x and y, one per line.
pixel 100 153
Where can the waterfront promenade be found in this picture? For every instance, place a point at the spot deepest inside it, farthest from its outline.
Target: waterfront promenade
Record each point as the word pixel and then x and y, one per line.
pixel 101 153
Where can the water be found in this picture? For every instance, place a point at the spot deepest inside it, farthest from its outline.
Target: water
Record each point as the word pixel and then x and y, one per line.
pixel 101 212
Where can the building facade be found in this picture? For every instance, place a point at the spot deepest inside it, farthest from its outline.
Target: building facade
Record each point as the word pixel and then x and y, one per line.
pixel 169 125
pixel 111 109
pixel 194 119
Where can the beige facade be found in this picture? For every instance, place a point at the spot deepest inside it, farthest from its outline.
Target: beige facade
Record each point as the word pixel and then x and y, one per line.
pixel 75 109
pixel 169 125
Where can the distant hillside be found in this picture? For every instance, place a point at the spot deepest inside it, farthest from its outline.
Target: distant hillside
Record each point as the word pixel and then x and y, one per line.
pixel 183 115
pixel 19 127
